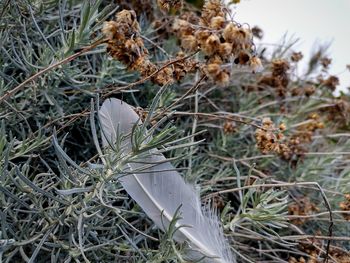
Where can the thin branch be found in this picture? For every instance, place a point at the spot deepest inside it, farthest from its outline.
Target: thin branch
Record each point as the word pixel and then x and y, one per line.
pixel 55 65
pixel 112 87
pixel 293 238
pixel 325 199
pixel 218 116
pixel 191 90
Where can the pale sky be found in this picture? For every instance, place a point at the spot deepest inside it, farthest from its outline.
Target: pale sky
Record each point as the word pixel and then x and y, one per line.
pixel 311 21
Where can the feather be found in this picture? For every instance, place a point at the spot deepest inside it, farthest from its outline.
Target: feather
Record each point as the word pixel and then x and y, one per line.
pixel 160 191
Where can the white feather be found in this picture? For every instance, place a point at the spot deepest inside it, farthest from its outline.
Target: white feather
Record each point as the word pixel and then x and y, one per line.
pixel 160 190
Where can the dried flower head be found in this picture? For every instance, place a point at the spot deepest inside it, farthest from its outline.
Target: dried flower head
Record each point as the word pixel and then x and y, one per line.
pixel 109 29
pixel 189 43
pixel 296 56
pixel 183 67
pixel 217 74
pixel 302 207
pixel 182 28
pixel 345 206
pixel 224 50
pixel 255 64
pixel 309 90
pixel 331 82
pixel 223 78
pixel 242 59
pixel 211 45
pixel 325 62
pixel 202 36
pixel 279 67
pixel 268 139
pixel 167 5
pixel 279 78
pixel 306 90
pixel 211 9
pixel 165 76
pixel 213 69
pixel 244 35
pixel 126 45
pixel 229 127
pixel 296 143
pixel 282 127
pixel 217 22
pixel 339 112
pixel 257 32
pixel 230 32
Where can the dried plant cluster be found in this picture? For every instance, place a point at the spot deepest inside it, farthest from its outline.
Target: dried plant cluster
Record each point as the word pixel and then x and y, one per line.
pixel 312 255
pixel 291 148
pixel 279 78
pixel 126 45
pixel 266 147
pixel 267 140
pixel 218 39
pixel 167 5
pixel 345 206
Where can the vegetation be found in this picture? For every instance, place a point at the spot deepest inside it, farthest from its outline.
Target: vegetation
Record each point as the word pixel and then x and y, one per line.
pixel 267 148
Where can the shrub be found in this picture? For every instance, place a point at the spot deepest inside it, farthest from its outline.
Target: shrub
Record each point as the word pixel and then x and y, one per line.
pixel 267 149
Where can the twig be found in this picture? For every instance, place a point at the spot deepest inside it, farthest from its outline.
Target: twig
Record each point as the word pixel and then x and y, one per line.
pixel 218 116
pixel 328 206
pixel 111 86
pixel 194 124
pixel 292 238
pixel 156 45
pixel 335 135
pixel 55 65
pixel 317 215
pixel 191 90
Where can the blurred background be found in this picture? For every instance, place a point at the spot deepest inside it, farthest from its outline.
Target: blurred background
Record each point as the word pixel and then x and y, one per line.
pixel 312 23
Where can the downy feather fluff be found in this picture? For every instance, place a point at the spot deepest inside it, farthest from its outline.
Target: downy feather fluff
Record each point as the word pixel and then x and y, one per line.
pixel 160 190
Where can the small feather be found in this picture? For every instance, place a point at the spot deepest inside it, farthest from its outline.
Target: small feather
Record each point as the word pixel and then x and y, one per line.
pixel 160 190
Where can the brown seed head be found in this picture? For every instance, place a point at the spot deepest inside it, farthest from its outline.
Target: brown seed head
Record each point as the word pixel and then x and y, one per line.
pixel 229 32
pixel 211 45
pixel 217 22
pixel 213 70
pixel 257 32
pixel 225 50
pixel 255 64
pixel 189 43
pixel 211 8
pixel 296 56
pixel 109 29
